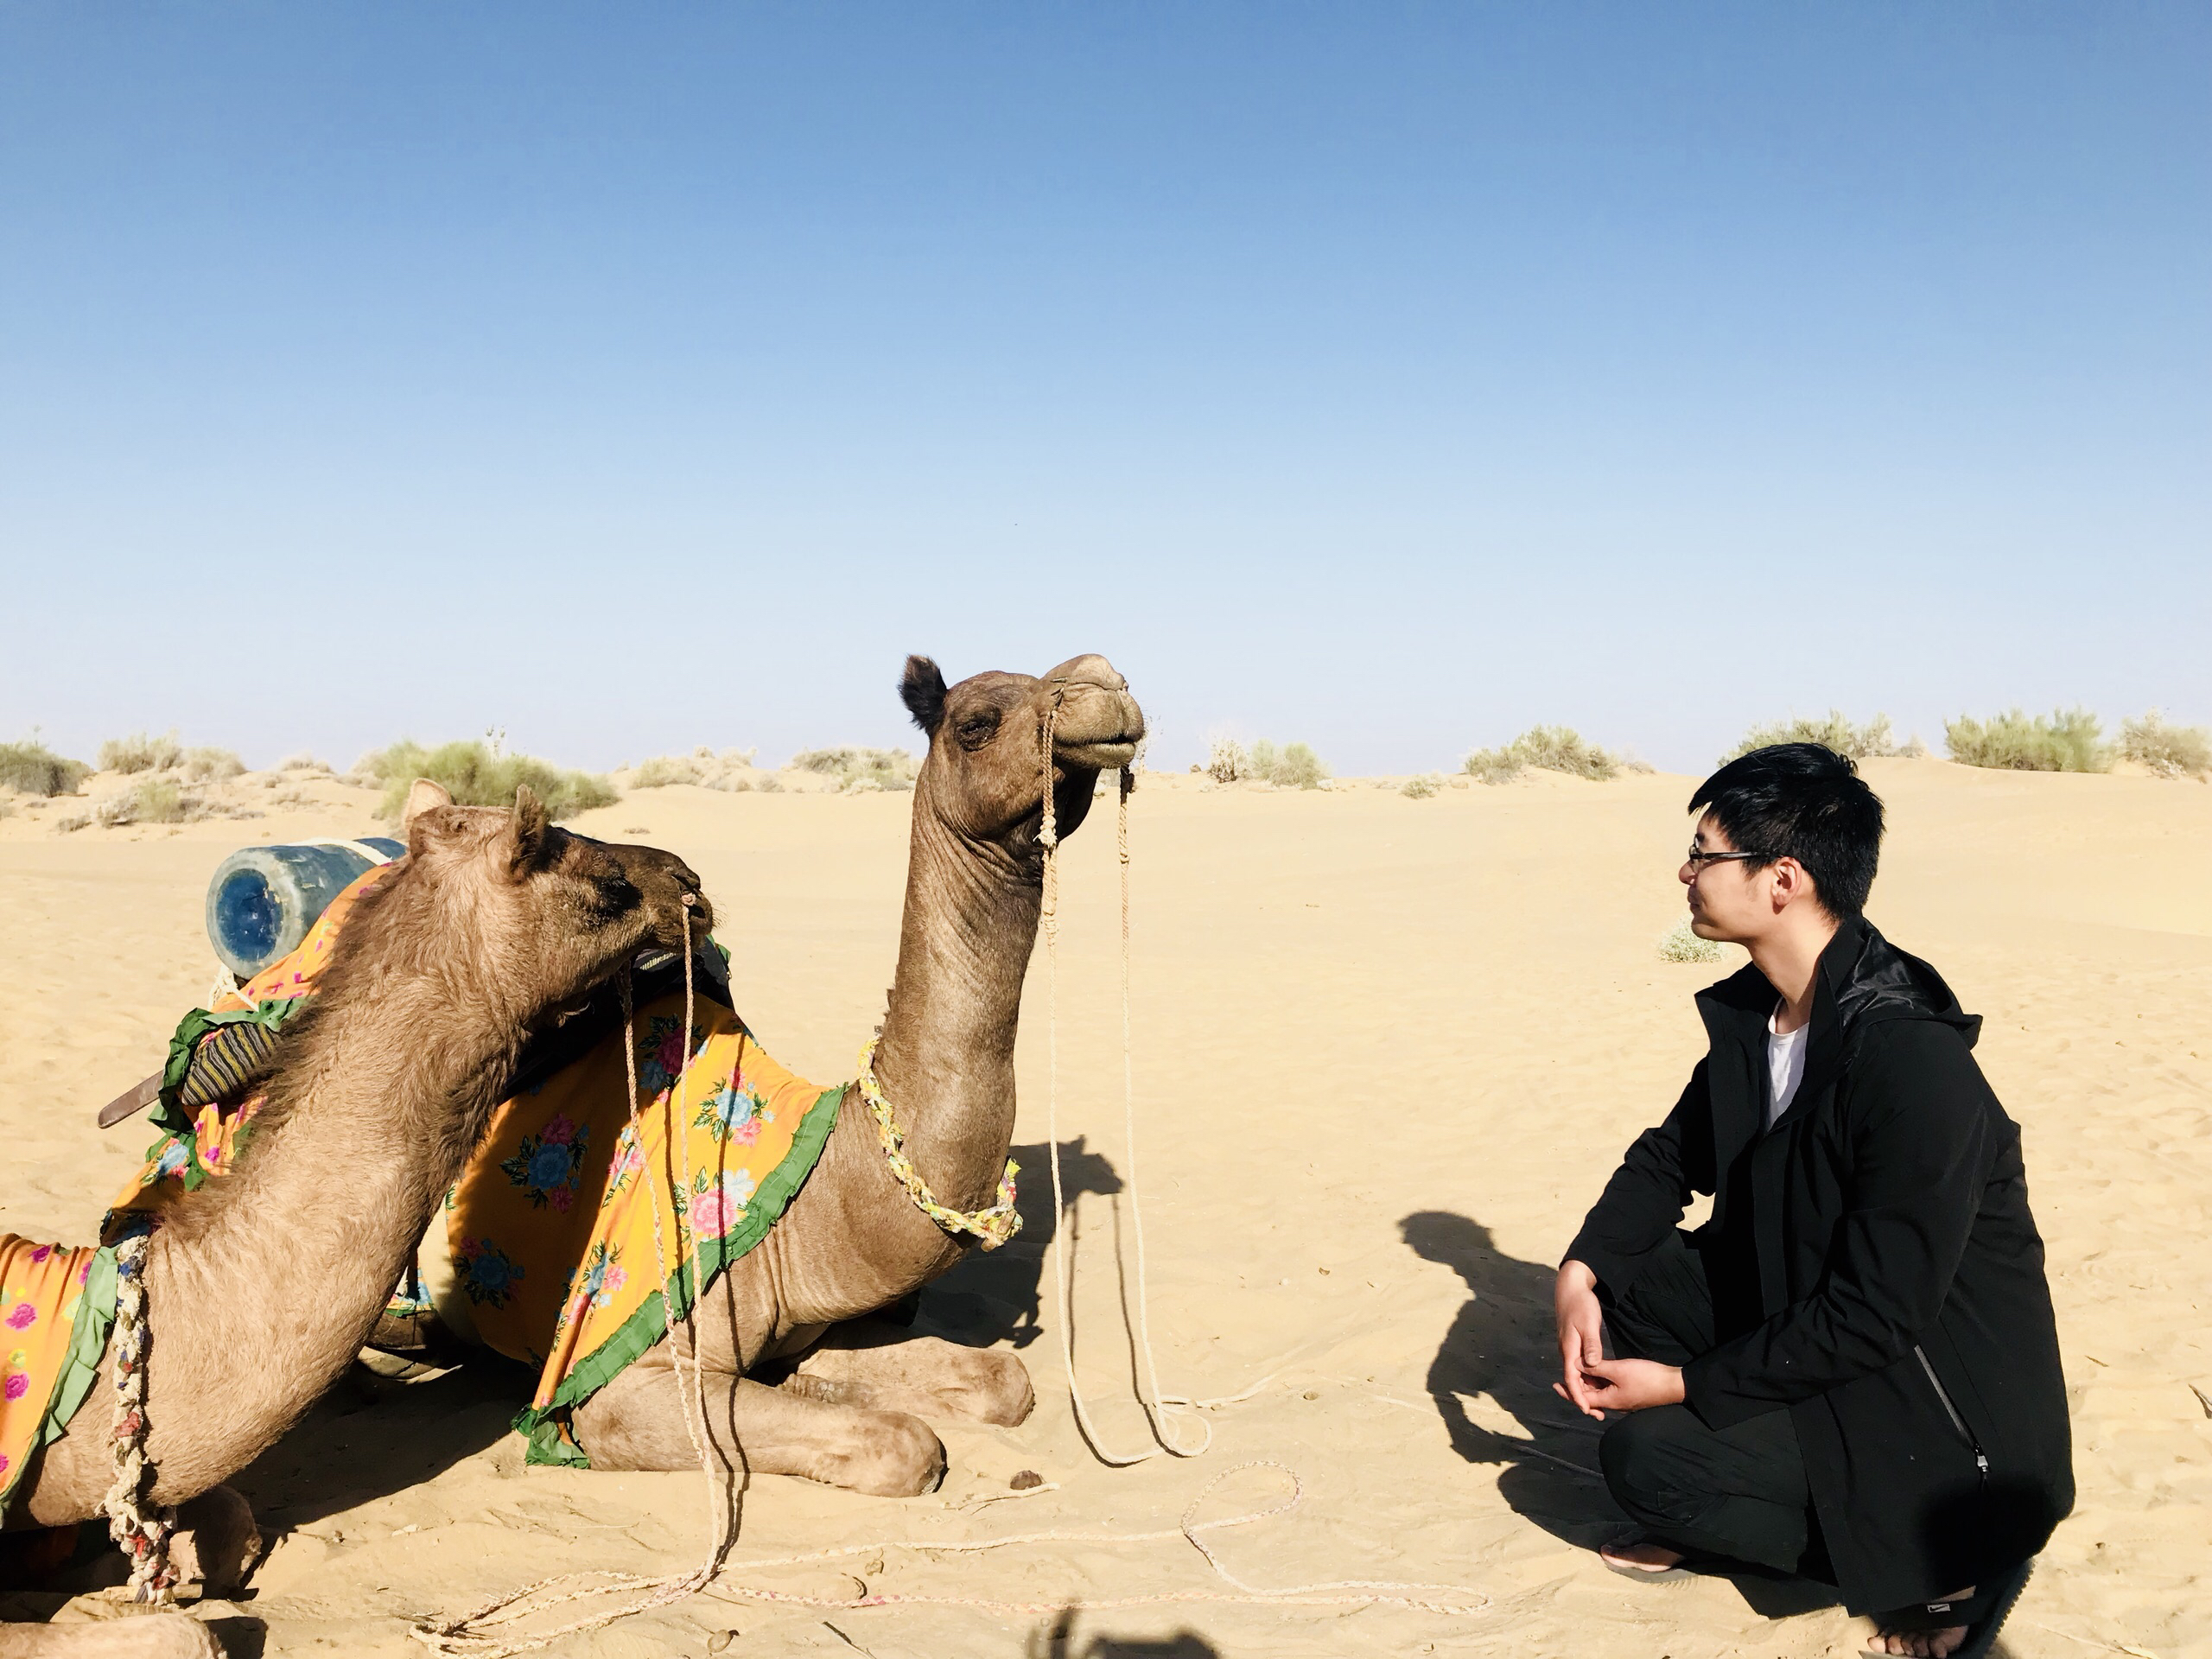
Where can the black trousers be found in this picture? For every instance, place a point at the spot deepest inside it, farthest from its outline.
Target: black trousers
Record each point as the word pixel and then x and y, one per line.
pixel 1737 1493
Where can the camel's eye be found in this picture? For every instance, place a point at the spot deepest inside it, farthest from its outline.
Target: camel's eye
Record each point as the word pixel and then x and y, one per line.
pixel 976 730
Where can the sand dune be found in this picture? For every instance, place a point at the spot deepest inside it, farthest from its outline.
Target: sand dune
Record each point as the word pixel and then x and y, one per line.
pixel 1386 1052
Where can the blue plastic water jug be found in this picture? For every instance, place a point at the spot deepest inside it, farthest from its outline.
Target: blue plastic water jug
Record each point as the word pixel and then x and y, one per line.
pixel 263 900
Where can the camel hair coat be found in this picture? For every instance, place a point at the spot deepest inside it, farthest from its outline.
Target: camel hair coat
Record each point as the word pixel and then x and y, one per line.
pixel 1875 1271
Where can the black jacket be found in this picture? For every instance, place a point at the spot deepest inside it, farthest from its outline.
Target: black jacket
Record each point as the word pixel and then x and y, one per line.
pixel 1876 1271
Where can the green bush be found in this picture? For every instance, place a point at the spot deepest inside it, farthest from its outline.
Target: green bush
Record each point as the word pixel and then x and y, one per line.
pixel 33 769
pixel 1419 789
pixel 2169 751
pixel 2065 741
pixel 139 752
pixel 1548 748
pixel 1872 741
pixel 476 775
pixel 157 800
pixel 851 765
pixel 1293 766
pixel 1683 944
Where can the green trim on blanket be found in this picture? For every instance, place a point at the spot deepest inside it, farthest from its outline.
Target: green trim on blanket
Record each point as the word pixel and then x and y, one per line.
pixel 649 1325
pixel 81 1368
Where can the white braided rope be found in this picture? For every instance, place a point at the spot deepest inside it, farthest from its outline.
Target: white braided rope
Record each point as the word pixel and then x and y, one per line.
pixel 140 1526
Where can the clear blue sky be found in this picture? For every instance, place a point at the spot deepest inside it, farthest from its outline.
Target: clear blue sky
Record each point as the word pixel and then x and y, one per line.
pixel 1390 377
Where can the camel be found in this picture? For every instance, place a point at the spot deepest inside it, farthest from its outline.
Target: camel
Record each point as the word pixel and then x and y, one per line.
pixel 851 1395
pixel 851 1412
pixel 261 1288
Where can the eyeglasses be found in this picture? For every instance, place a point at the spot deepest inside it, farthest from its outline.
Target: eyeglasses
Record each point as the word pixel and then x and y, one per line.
pixel 1698 859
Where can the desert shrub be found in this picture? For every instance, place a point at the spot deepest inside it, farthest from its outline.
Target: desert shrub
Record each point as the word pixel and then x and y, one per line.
pixel 1550 748
pixel 1294 765
pixel 2066 741
pixel 851 765
pixel 728 770
pixel 211 766
pixel 662 770
pixel 31 768
pixel 475 775
pixel 139 752
pixel 1872 741
pixel 300 762
pixel 158 800
pixel 1419 789
pixel 1226 761
pixel 2169 751
pixel 1681 944
pixel 69 822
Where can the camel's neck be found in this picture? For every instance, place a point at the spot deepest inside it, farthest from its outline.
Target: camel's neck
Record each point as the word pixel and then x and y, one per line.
pixel 262 1287
pixel 946 1060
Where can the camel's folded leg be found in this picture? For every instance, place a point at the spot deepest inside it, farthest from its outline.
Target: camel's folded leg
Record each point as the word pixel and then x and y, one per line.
pixel 147 1636
pixel 875 1364
pixel 637 1422
pixel 216 1542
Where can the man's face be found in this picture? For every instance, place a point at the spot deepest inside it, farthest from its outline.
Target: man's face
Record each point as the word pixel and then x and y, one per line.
pixel 1728 901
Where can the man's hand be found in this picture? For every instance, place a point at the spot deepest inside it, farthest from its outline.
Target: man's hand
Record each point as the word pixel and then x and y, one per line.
pixel 1581 1335
pixel 1630 1385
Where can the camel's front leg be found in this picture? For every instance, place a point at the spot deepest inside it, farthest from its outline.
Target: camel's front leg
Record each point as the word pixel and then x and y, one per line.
pixel 217 1543
pixel 637 1421
pixel 875 1364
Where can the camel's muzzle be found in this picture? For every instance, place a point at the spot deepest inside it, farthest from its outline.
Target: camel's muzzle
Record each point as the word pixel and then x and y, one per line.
pixel 1097 723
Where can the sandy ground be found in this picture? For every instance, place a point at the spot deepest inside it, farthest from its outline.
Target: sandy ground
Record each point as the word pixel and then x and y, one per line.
pixel 1386 1052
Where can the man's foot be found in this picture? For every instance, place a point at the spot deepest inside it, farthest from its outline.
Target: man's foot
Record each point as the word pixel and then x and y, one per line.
pixel 1938 1643
pixel 1639 1557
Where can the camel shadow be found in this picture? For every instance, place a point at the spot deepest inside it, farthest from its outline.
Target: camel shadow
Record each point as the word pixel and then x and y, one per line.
pixel 1496 1363
pixel 1057 1640
pixel 370 1437
pixel 997 1296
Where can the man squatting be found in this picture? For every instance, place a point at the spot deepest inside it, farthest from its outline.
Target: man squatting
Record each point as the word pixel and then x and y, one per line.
pixel 1850 1372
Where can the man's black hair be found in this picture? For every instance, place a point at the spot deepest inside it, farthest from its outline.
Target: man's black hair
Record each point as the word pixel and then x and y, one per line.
pixel 1802 801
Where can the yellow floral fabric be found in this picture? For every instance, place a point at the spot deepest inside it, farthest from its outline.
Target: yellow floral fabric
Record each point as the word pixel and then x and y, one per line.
pixel 552 1226
pixel 56 1306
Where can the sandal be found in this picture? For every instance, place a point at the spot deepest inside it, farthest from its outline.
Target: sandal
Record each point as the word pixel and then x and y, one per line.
pixel 1983 1613
pixel 1676 1575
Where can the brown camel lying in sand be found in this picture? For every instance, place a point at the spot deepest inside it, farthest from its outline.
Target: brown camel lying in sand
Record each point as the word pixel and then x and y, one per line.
pixel 852 1244
pixel 851 1394
pixel 262 1287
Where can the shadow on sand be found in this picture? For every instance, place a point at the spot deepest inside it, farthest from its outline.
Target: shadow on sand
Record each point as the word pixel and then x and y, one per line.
pixel 997 1296
pixel 369 1437
pixel 1058 1641
pixel 1496 1365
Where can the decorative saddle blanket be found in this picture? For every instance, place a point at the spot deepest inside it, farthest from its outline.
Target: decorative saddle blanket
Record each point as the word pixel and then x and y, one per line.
pixel 56 1306
pixel 550 1248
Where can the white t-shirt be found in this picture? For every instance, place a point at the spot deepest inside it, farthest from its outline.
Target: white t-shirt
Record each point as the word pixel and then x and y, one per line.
pixel 1785 1066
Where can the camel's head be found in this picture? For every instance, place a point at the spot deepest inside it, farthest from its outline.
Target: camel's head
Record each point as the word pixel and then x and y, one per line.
pixel 985 771
pixel 551 913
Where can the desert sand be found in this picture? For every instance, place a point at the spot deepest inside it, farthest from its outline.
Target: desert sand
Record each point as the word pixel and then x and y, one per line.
pixel 1386 1052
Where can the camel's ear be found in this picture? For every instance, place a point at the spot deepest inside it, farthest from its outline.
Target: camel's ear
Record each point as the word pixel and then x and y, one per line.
pixel 527 831
pixel 420 799
pixel 922 689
